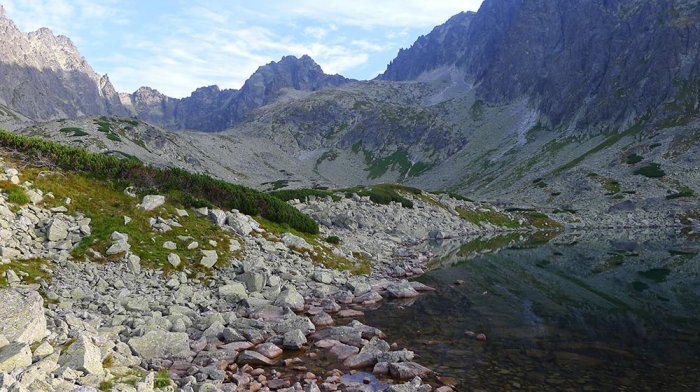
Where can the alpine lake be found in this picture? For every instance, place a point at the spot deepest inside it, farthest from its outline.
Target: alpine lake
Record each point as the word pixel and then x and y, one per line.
pixel 572 311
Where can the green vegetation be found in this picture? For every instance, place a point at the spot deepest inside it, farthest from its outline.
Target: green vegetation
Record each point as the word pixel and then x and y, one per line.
pixel 634 158
pixel 15 194
pixel 30 271
pixel 162 379
pixel 74 131
pixel 608 142
pixel 610 185
pixel 481 216
pixel 329 156
pixel 396 161
pixel 302 194
pixel 385 193
pixel 652 170
pixel 333 239
pixel 275 185
pixel 683 192
pixel 131 171
pixel 114 137
pixel 104 202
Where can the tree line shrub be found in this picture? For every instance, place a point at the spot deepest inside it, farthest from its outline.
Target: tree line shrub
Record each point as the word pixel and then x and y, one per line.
pixel 196 186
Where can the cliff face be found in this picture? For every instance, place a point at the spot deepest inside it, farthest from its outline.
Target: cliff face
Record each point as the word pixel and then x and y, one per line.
pixel 580 63
pixel 212 109
pixel 43 76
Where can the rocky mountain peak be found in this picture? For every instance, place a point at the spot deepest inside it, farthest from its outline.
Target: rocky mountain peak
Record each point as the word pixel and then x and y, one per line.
pixel 2 11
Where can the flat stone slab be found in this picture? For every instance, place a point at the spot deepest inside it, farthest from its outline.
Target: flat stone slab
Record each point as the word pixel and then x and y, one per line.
pixel 22 316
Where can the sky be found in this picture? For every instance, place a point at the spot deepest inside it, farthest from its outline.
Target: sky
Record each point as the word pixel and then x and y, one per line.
pixel 176 46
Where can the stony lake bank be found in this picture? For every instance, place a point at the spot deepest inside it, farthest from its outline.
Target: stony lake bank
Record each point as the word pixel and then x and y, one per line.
pixel 203 299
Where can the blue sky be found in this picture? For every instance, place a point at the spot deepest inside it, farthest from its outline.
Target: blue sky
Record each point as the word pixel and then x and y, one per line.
pixel 176 46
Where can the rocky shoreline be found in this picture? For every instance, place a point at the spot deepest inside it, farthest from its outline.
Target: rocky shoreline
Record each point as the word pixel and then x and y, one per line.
pixel 262 323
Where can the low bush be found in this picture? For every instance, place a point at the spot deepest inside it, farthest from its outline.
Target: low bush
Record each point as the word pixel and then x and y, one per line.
pixel 197 186
pixel 652 170
pixel 332 239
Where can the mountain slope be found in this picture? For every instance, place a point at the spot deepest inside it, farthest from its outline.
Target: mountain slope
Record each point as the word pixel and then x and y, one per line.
pixel 44 76
pixel 581 64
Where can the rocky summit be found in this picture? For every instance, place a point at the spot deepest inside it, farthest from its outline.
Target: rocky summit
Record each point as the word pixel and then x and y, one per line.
pixel 253 238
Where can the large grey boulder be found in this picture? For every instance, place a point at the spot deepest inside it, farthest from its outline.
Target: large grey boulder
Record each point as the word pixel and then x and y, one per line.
pixel 161 344
pixel 15 356
pixel 57 230
pixel 254 281
pixel 218 217
pixel 22 316
pixel 209 258
pixel 290 298
pixel 151 202
pixel 294 242
pixel 233 292
pixel 83 355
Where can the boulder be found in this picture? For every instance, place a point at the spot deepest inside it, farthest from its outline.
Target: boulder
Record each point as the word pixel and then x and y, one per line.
pixel 254 281
pixel 408 370
pixel 209 258
pixel 293 340
pixel 151 202
pixel 253 358
pixel 57 230
pixel 174 259
pixel 269 350
pixel 22 315
pixel 82 355
pixel 402 290
pixel 15 356
pixel 291 298
pixel 161 344
pixel 218 217
pixel 233 292
pixel 118 247
pixel 295 242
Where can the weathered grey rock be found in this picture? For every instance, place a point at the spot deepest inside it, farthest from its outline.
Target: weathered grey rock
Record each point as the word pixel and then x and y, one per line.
pixel 15 356
pixel 254 281
pixel 218 217
pixel 119 236
pixel 11 277
pixel 233 292
pixel 269 350
pixel 408 370
pixel 402 290
pixel 118 247
pixel 22 316
pixel 170 245
pixel 83 355
pixel 253 358
pixel 295 242
pixel 57 230
pixel 294 340
pixel 151 202
pixel 161 344
pixel 174 260
pixel 9 253
pixel 291 298
pixel 209 258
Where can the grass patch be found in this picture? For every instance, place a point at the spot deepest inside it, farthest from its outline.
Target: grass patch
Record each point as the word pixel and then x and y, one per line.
pixel 15 193
pixel 480 217
pixel 162 379
pixel 683 192
pixel 113 137
pixel 217 192
pixel 30 271
pixel 333 239
pixel 73 131
pixel 105 203
pixel 652 170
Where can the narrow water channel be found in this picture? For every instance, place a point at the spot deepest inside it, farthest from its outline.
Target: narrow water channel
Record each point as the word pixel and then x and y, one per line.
pixel 603 311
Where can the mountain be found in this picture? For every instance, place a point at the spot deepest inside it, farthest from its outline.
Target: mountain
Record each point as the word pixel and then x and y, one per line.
pixel 43 76
pixel 212 109
pixel 582 64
